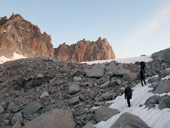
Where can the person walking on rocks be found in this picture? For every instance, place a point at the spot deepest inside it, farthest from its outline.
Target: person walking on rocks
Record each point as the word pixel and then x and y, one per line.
pixel 142 77
pixel 142 65
pixel 128 94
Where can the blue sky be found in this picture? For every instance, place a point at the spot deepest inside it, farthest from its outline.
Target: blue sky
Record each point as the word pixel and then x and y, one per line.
pixel 132 27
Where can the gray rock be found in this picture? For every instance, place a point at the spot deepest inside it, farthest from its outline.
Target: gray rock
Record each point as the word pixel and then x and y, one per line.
pixel 12 107
pixel 89 125
pixel 96 71
pixel 162 87
pixel 164 102
pixel 74 100
pixel 17 117
pixel 162 56
pixel 52 101
pixel 154 79
pixel 107 96
pixel 104 113
pixel 1 109
pixel 31 108
pixel 73 89
pixel 112 67
pixel 151 101
pixel 44 94
pixel 92 94
pixel 59 118
pixel 127 120
pixel 105 85
pixel 17 125
pixel 129 76
pixel 164 73
pixel 78 73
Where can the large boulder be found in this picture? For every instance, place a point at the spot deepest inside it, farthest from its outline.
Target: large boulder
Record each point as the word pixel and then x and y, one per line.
pixel 59 118
pixel 73 89
pixel 127 120
pixel 96 71
pixel 107 96
pixel 104 113
pixel 151 101
pixel 164 102
pixel 162 87
pixel 105 85
pixel 89 125
pixel 12 107
pixel 162 55
pixel 164 73
pixel 74 100
pixel 112 67
pixel 154 79
pixel 129 76
pixel 17 117
pixel 31 108
pixel 17 125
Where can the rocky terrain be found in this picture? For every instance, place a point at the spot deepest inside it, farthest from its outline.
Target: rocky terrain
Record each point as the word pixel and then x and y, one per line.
pixel 85 51
pixel 20 36
pixel 43 92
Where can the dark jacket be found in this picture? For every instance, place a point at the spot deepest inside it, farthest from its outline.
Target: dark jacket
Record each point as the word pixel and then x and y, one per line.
pixel 128 92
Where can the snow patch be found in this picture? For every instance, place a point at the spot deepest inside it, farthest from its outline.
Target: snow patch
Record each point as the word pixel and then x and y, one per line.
pixel 15 56
pixel 122 60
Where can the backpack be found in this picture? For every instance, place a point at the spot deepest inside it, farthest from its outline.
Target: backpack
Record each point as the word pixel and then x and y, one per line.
pixel 128 91
pixel 142 64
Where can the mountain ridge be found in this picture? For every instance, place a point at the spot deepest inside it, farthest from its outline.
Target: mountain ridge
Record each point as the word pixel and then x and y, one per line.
pixel 22 37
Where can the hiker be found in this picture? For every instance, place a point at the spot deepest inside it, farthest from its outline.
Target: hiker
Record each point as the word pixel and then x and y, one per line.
pixel 142 65
pixel 142 76
pixel 128 94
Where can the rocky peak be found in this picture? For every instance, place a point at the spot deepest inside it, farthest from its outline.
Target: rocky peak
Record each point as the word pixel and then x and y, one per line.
pixel 85 51
pixel 22 37
pixel 16 16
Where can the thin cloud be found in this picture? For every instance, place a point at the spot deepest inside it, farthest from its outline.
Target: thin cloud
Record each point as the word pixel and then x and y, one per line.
pixel 155 23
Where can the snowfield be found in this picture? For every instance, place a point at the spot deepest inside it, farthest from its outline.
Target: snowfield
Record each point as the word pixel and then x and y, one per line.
pixel 154 117
pixel 122 60
pixel 15 57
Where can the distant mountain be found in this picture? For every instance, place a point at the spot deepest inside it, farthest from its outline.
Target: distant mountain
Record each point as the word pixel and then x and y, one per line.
pixel 85 51
pixel 22 37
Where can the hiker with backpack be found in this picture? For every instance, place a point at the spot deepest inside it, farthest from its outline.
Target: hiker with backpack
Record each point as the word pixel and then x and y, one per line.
pixel 128 94
pixel 142 73
pixel 142 77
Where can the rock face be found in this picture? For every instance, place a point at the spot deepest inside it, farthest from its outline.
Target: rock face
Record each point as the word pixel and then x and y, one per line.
pixel 85 51
pixel 127 120
pixel 20 36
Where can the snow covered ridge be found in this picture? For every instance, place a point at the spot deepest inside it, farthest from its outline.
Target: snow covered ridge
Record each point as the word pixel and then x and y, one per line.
pixel 16 56
pixel 154 117
pixel 123 60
